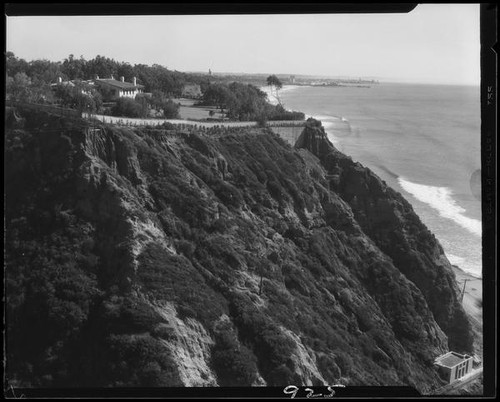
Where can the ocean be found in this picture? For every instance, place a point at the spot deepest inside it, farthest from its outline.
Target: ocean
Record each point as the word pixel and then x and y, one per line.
pixel 423 140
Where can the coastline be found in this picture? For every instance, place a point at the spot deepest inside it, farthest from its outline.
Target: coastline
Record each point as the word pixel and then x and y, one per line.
pixel 472 304
pixel 472 298
pixel 469 283
pixel 270 97
pixel 444 203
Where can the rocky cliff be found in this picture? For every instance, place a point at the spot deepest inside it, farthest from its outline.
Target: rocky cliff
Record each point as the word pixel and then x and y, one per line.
pixel 389 220
pixel 160 258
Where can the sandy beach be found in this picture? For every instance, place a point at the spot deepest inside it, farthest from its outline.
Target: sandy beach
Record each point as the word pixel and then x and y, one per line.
pixel 472 302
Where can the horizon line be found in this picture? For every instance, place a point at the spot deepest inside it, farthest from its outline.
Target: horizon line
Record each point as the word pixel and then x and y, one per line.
pixel 309 75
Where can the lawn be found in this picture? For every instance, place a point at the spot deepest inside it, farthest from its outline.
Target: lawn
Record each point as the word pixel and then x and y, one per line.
pixel 188 111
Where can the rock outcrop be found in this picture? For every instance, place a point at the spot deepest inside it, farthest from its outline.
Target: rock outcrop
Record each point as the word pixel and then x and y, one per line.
pixel 152 258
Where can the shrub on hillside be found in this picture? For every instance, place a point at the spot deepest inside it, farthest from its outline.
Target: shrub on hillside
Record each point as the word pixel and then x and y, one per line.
pixel 280 113
pixel 270 344
pixel 163 104
pixel 173 278
pixel 227 193
pixel 170 109
pixel 126 107
pixel 234 363
pixel 143 361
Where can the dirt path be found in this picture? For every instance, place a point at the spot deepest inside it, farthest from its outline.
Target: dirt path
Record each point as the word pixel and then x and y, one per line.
pixel 155 122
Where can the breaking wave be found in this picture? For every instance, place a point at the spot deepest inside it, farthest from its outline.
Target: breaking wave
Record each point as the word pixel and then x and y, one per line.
pixel 440 198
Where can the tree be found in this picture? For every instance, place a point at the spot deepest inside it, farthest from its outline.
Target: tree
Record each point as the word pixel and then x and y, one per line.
pixel 219 95
pixel 45 71
pixel 19 88
pixel 79 96
pixel 101 66
pixel 144 104
pixel 74 68
pixel 15 65
pixel 170 109
pixel 163 104
pixel 275 83
pixel 127 107
pixel 246 102
pixel 126 70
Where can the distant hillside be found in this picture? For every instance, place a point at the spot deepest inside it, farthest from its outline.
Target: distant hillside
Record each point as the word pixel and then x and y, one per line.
pixel 140 257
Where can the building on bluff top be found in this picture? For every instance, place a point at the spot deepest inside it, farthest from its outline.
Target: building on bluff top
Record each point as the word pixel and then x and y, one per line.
pixel 113 89
pixel 110 88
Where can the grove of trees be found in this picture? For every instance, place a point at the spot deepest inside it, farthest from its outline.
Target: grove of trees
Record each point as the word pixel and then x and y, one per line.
pixel 245 102
pixel 142 106
pixel 33 82
pixel 79 96
pixel 30 81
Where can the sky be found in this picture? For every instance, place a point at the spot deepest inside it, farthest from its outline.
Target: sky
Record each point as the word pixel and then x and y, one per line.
pixel 434 43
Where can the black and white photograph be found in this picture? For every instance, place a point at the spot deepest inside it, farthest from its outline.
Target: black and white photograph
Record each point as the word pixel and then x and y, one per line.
pixel 230 202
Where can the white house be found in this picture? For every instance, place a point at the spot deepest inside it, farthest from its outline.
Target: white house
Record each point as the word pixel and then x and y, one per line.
pixel 113 89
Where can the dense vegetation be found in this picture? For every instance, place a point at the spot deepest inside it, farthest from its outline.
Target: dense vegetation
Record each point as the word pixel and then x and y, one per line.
pixel 150 258
pixel 154 78
pixel 31 82
pixel 245 102
pixel 143 106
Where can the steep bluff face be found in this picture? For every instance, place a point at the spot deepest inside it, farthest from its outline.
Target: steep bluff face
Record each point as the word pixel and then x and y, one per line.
pixel 158 258
pixel 389 220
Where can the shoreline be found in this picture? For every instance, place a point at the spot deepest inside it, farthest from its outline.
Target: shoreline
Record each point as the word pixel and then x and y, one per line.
pixel 473 290
pixel 472 304
pixel 468 283
pixel 462 271
pixel 270 97
pixel 432 201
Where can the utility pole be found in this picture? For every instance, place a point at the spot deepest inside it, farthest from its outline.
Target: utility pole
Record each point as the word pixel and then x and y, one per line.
pixel 463 290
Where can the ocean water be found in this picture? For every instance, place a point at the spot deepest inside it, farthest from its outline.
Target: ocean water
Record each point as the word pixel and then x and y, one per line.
pixel 423 140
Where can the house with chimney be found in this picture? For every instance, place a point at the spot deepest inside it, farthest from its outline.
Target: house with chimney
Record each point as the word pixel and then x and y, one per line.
pixel 112 89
